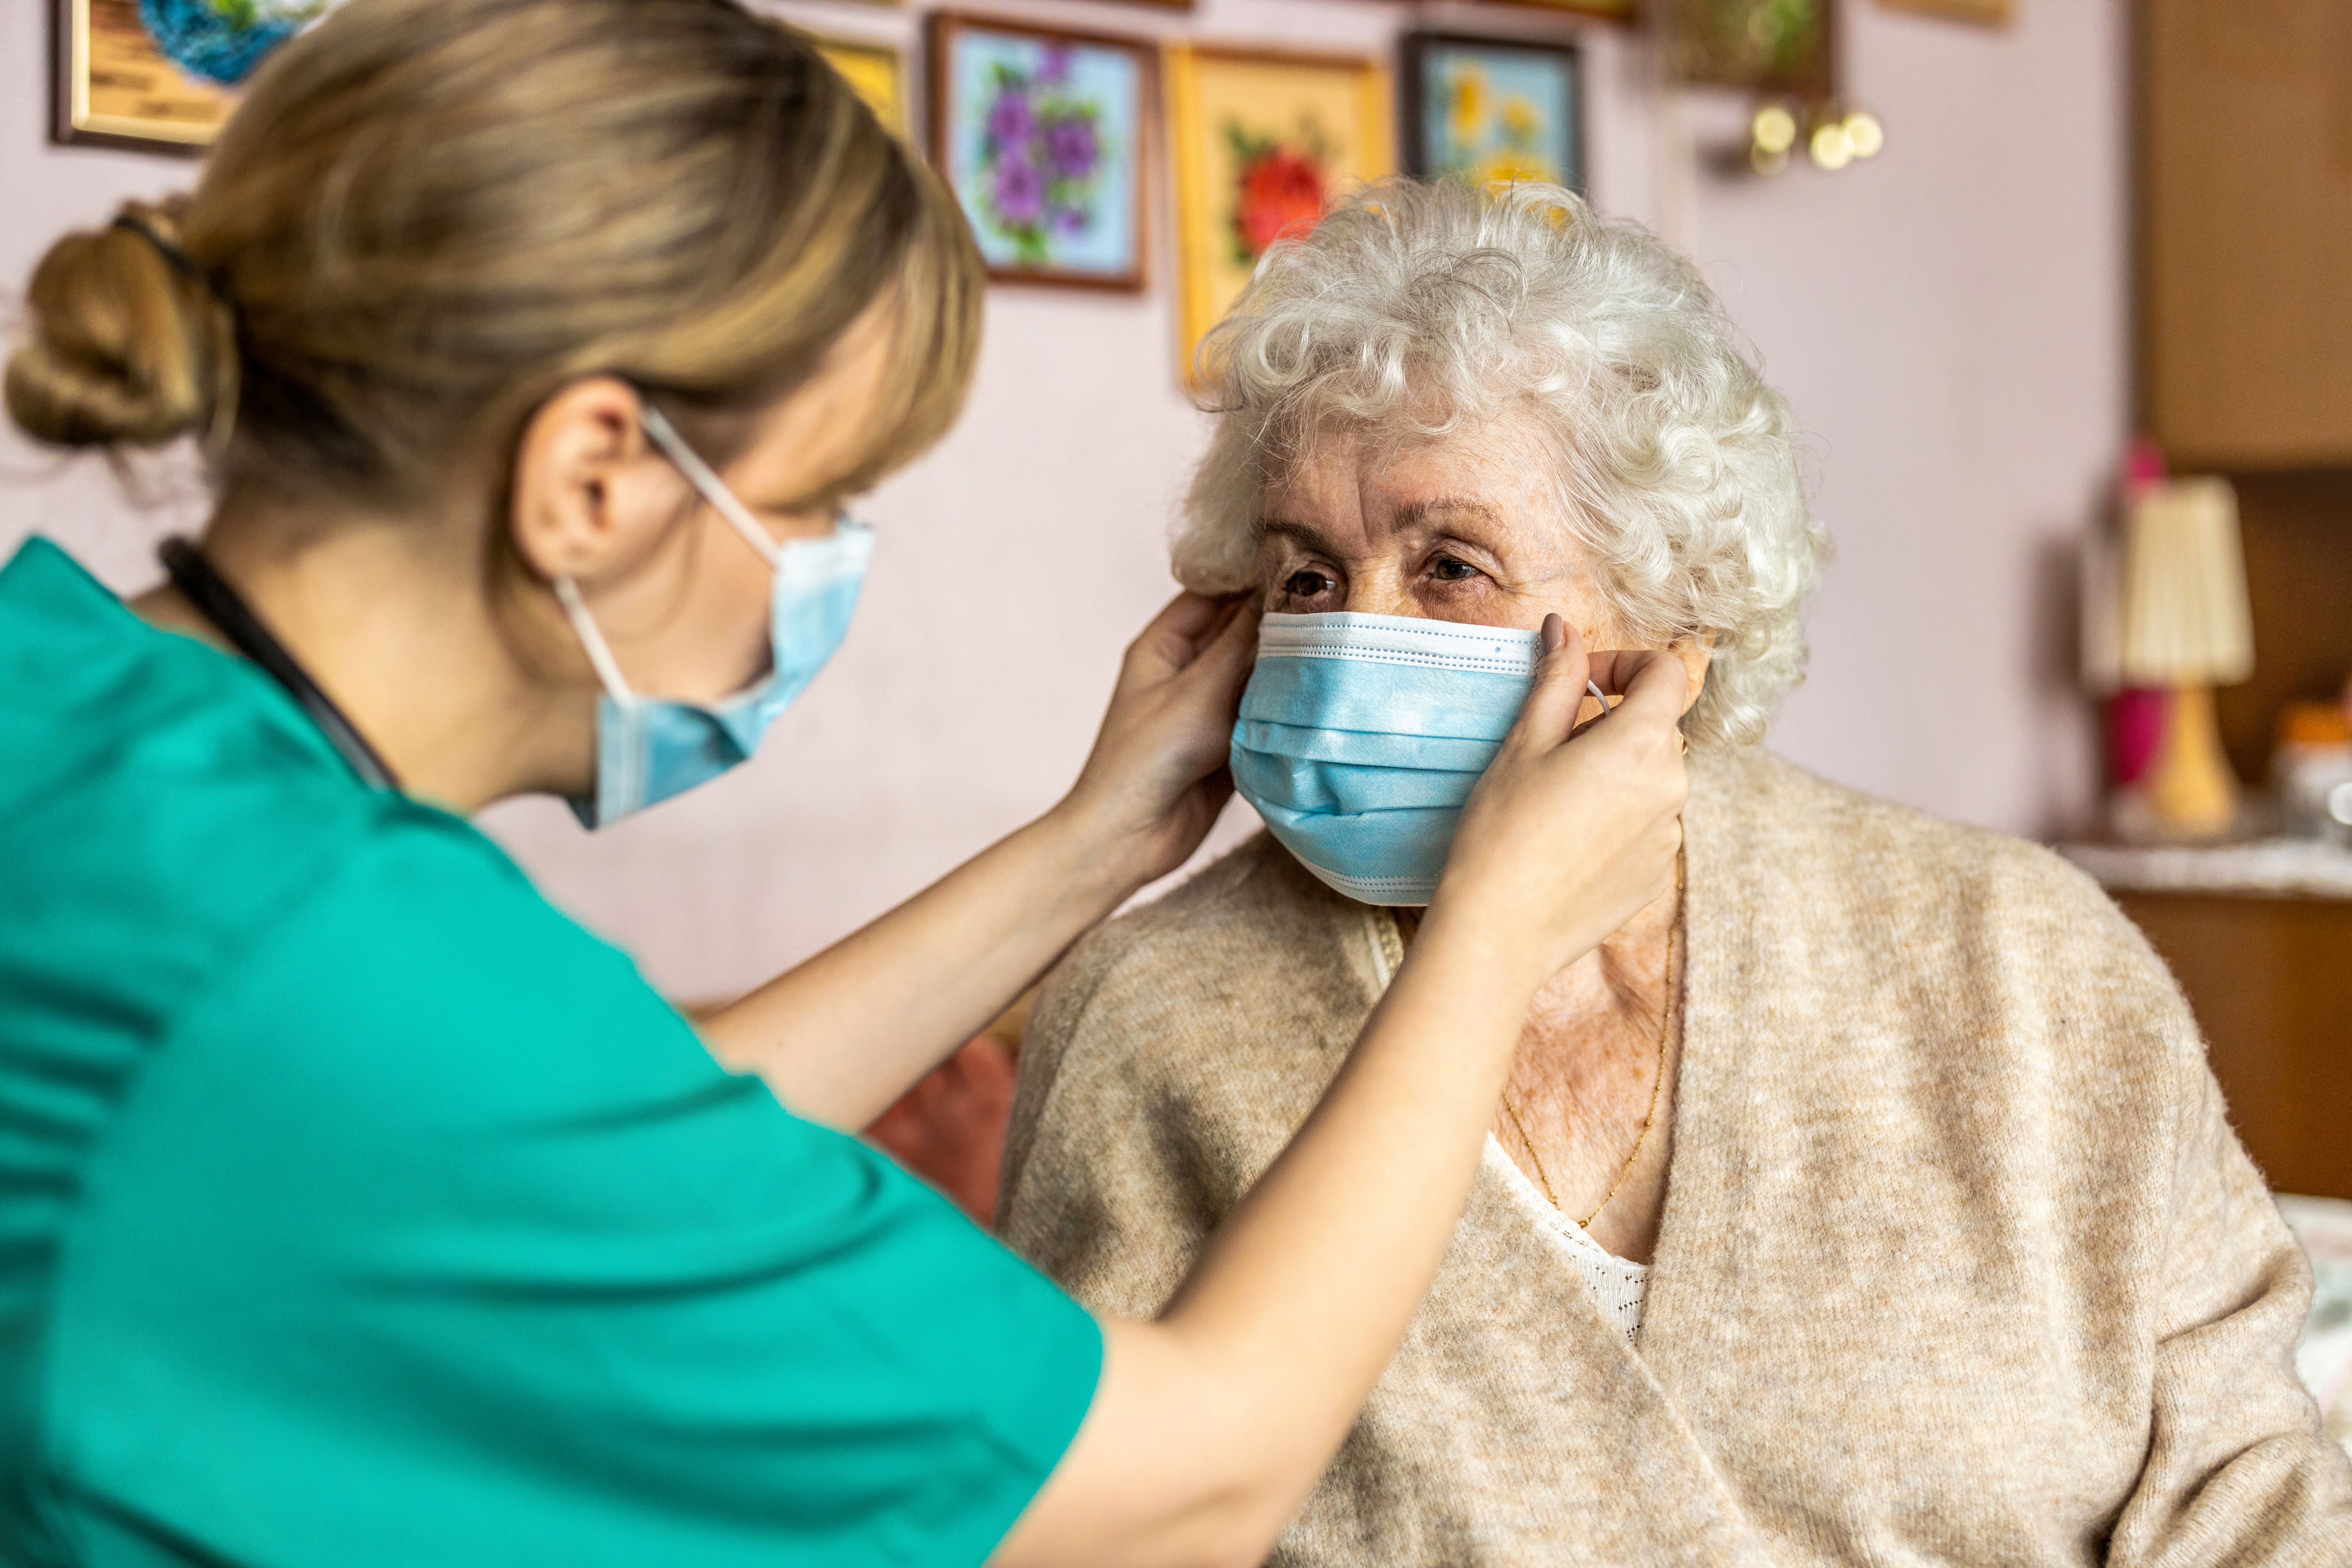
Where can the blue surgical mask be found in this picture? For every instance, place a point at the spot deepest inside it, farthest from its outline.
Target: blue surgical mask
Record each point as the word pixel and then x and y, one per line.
pixel 651 748
pixel 1361 737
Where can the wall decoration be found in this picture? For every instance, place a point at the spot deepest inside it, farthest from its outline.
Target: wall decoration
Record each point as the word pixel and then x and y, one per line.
pixel 1261 142
pixel 1042 134
pixel 1991 13
pixel 1491 111
pixel 876 73
pixel 1772 46
pixel 1628 12
pixel 161 74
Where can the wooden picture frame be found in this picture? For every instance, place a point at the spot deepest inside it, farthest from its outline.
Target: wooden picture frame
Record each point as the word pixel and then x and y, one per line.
pixel 1497 110
pixel 1054 168
pixel 1623 13
pixel 1748 44
pixel 1983 13
pixel 111 86
pixel 1261 140
pixel 876 71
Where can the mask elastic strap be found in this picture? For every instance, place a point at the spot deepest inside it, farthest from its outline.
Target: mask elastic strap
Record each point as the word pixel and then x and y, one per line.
pixel 1598 695
pixel 608 668
pixel 712 488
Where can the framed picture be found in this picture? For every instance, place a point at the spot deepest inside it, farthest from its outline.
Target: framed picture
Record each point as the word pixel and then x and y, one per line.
pixel 162 75
pixel 1769 46
pixel 1042 133
pixel 1262 141
pixel 1628 12
pixel 1491 111
pixel 1991 13
pixel 876 73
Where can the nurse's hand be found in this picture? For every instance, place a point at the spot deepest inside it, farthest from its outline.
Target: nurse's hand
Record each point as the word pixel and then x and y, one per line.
pixel 1545 896
pixel 847 1032
pixel 1156 779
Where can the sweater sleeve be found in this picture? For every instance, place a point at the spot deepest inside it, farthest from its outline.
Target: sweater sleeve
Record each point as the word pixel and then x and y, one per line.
pixel 2238 1471
pixel 1084 1193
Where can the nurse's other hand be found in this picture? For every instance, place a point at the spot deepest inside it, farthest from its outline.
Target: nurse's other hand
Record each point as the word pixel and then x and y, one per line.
pixel 1567 837
pixel 1155 779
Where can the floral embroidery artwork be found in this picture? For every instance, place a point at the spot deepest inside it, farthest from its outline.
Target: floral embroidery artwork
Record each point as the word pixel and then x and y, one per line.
pixel 1040 140
pixel 1280 185
pixel 1261 143
pixel 1040 154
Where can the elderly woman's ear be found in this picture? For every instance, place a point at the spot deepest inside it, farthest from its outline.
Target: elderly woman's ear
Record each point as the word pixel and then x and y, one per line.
pixel 1696 654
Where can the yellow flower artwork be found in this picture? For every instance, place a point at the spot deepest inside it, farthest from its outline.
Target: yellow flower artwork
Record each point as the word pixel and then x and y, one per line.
pixel 1493 112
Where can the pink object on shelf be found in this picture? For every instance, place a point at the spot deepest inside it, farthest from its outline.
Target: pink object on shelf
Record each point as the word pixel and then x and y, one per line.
pixel 2144 467
pixel 2135 730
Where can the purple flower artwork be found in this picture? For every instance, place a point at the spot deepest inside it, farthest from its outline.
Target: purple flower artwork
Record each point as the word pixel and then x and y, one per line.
pixel 1040 135
pixel 1042 154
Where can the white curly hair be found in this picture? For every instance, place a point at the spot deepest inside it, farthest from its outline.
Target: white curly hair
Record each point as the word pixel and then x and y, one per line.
pixel 1427 310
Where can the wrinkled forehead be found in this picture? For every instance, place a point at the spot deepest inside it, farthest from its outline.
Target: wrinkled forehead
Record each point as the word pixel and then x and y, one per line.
pixel 1500 455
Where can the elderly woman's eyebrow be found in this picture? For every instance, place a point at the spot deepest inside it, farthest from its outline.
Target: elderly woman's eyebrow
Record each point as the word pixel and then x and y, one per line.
pixel 1419 511
pixel 1284 527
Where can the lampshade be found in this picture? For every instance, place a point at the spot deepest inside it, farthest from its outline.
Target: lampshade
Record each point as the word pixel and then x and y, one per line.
pixel 2184 619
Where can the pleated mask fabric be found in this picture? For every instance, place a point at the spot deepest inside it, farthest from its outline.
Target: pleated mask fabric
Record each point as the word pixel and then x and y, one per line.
pixel 1360 738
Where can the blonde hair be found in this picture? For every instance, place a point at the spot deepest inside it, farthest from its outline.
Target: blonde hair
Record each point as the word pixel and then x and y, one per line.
pixel 1431 311
pixel 429 215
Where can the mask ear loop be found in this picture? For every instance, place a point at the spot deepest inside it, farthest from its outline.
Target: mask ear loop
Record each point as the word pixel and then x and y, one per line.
pixel 713 489
pixel 600 655
pixel 1681 742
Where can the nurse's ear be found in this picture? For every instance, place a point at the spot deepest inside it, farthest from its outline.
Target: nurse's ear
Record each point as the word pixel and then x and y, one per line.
pixel 589 490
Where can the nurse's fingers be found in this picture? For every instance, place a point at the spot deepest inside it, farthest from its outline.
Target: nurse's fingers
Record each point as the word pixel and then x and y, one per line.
pixel 1176 636
pixel 1551 709
pixel 1655 683
pixel 1616 670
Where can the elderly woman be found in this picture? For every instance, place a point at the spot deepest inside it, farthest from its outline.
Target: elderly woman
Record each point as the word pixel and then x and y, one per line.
pixel 1868 1200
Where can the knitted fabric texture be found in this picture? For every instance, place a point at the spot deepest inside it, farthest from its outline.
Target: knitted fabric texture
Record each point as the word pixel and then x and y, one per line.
pixel 1960 1261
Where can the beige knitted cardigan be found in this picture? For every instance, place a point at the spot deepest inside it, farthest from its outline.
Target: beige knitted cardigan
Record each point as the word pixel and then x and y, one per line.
pixel 1960 1260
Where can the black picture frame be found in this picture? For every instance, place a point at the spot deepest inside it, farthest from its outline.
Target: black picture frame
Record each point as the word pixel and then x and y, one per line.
pixel 1418 50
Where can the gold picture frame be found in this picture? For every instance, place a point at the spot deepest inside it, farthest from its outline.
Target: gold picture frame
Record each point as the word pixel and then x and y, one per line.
pixel 112 87
pixel 877 72
pixel 1260 139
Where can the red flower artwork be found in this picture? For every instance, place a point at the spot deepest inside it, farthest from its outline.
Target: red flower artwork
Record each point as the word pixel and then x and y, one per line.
pixel 1281 194
pixel 1279 186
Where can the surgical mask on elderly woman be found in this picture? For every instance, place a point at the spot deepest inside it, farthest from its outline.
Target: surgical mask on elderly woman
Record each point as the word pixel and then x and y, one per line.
pixel 651 748
pixel 1360 738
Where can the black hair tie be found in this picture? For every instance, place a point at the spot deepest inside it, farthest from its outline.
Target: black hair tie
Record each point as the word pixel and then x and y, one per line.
pixel 181 261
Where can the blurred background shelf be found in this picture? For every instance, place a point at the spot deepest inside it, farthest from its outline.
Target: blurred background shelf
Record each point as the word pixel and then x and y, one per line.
pixel 2268 971
pixel 2244 349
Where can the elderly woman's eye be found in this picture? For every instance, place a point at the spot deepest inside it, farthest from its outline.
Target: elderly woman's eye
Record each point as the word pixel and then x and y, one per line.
pixel 1446 569
pixel 1305 583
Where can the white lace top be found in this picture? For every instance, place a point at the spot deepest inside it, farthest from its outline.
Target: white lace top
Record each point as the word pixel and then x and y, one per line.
pixel 1615 1283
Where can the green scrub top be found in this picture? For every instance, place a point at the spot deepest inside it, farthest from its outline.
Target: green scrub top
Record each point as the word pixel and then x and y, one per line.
pixel 357 1207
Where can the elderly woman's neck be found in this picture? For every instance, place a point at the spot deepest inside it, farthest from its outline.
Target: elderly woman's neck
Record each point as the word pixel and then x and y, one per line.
pixel 1635 953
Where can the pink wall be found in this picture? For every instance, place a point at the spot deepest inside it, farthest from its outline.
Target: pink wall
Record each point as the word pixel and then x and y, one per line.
pixel 1949 318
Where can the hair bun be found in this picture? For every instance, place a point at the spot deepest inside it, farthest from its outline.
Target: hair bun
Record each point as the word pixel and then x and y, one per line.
pixel 125 343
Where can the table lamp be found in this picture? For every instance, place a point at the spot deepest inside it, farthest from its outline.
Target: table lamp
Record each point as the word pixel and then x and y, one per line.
pixel 2187 629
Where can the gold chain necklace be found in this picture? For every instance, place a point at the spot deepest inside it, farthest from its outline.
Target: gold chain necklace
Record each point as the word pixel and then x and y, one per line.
pixel 1657 1082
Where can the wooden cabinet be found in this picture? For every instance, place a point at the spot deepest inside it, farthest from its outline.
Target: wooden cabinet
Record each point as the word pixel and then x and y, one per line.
pixel 2245 231
pixel 2271 981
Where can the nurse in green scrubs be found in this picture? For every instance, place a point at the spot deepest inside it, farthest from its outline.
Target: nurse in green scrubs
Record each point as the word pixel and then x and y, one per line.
pixel 357 1207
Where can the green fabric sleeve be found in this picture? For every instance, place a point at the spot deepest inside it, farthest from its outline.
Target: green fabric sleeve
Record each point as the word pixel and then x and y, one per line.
pixel 433 1236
